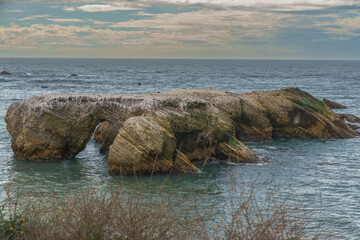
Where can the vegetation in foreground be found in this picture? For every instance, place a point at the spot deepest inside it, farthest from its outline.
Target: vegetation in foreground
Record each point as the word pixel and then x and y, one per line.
pixel 115 214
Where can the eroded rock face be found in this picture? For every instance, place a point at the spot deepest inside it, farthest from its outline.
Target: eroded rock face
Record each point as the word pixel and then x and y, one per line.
pixel 165 132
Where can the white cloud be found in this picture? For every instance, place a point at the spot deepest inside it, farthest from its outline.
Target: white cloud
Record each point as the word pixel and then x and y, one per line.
pixel 69 9
pixel 230 2
pixel 65 20
pixel 274 5
pixel 34 17
pixel 220 29
pixel 266 2
pixel 96 22
pixel 104 7
pixel 15 11
pixel 40 36
pixel 209 27
pixel 205 25
pixel 342 26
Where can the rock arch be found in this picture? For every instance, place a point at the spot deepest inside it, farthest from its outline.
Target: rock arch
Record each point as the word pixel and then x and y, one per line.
pixel 164 132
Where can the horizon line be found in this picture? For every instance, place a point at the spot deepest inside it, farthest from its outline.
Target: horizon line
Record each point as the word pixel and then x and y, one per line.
pixel 155 58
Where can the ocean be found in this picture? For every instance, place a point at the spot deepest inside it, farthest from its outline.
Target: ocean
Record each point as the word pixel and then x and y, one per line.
pixel 322 176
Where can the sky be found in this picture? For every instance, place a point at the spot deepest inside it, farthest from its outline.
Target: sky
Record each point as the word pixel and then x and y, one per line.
pixel 220 29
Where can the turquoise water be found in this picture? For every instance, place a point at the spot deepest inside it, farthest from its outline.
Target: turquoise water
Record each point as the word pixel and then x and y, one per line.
pixel 323 175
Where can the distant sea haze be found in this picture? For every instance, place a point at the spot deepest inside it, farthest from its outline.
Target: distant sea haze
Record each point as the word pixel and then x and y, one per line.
pixel 323 174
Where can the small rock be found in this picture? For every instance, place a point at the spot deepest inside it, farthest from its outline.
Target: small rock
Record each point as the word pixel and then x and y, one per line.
pixel 139 83
pixel 44 87
pixel 266 159
pixel 74 75
pixel 5 73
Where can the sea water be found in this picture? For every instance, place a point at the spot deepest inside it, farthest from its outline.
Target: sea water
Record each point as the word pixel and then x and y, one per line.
pixel 323 175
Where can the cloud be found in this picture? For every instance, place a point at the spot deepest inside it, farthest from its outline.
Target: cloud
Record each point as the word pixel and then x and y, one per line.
pixel 15 11
pixel 226 28
pixel 34 17
pixel 212 25
pixel 104 7
pixel 96 22
pixel 41 36
pixel 342 26
pixel 264 5
pixel 229 2
pixel 299 3
pixel 65 20
pixel 69 9
pixel 205 25
pixel 184 30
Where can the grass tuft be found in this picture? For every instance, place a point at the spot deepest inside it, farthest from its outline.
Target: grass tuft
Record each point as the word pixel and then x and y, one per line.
pixel 117 214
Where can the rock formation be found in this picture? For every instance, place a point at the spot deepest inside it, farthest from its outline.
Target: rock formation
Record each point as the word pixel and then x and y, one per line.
pixel 333 105
pixel 166 132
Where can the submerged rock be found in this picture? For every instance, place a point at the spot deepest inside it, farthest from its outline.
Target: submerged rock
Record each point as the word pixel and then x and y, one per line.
pixel 333 105
pixel 5 73
pixel 168 131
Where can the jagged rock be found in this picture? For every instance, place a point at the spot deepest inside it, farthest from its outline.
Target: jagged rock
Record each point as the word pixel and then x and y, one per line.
pixel 165 132
pixel 5 73
pixel 182 164
pixel 333 105
pixel 349 117
pixel 355 127
pixel 236 151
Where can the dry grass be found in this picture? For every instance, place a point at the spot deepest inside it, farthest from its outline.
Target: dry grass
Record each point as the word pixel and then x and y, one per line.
pixel 92 214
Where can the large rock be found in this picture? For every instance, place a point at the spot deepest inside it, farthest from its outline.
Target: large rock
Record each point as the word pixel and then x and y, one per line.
pixel 147 145
pixel 166 132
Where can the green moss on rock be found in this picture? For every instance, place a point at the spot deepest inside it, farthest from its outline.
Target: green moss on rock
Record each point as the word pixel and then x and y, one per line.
pixel 196 105
pixel 170 104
